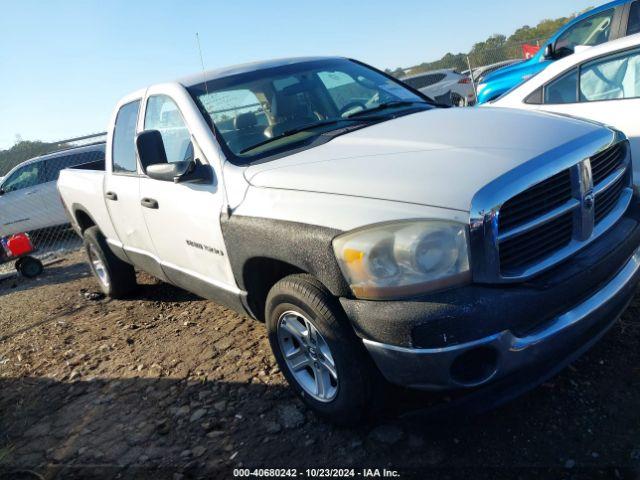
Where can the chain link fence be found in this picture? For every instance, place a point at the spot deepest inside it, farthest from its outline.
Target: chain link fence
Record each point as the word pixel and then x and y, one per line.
pixel 30 204
pixel 453 80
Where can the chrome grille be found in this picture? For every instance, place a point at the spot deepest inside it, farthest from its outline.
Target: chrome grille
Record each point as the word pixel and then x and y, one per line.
pixel 606 201
pixel 553 218
pixel 604 163
pixel 523 249
pixel 536 200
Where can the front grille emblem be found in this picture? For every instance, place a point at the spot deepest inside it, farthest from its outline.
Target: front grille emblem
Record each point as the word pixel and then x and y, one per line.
pixel 588 202
pixel 584 216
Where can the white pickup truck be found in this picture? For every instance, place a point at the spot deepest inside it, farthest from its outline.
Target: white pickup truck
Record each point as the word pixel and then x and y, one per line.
pixel 373 232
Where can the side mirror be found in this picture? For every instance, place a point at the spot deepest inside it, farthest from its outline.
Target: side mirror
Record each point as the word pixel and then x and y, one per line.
pixel 1 191
pixel 548 51
pixel 170 172
pixel 150 148
pixel 185 171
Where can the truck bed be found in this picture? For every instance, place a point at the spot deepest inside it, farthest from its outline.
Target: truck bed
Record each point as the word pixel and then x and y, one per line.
pixel 82 189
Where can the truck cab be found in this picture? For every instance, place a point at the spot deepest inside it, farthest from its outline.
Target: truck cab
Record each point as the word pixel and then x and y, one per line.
pixel 599 25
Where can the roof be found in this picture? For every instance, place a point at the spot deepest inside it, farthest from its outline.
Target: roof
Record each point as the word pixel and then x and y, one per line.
pixel 61 153
pixel 218 73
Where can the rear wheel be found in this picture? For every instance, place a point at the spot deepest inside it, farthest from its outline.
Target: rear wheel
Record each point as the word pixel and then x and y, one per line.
pixel 458 100
pixel 317 350
pixel 115 277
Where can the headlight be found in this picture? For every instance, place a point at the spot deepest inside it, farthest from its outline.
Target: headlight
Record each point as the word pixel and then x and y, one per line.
pixel 401 259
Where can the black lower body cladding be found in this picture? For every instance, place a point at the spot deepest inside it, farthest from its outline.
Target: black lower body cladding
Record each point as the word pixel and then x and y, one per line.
pixel 254 241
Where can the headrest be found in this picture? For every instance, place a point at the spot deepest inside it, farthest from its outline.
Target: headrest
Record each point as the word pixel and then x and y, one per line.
pixel 245 120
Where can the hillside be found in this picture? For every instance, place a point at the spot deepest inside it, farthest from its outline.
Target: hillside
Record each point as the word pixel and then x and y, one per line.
pixel 24 150
pixel 496 48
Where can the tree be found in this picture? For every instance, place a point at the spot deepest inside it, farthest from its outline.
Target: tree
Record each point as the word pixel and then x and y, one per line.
pixel 24 150
pixel 494 49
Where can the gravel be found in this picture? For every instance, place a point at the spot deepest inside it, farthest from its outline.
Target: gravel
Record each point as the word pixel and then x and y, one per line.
pixel 210 398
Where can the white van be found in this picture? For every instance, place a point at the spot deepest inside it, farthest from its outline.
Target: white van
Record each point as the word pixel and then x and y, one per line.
pixel 28 196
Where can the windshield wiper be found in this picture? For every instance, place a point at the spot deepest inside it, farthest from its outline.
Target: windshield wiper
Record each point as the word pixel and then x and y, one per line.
pixel 301 128
pixel 387 105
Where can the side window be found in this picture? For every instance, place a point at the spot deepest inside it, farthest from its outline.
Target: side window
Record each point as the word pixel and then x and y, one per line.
pixel 424 80
pixel 563 89
pixel 590 31
pixel 25 177
pixel 634 18
pixel 611 78
pixel 52 166
pixel 162 114
pixel 124 150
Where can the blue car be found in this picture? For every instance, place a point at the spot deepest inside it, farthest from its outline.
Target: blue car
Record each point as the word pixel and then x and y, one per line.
pixel 599 25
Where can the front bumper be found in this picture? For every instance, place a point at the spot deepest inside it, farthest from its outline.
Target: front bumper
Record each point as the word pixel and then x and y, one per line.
pixel 478 335
pixel 475 363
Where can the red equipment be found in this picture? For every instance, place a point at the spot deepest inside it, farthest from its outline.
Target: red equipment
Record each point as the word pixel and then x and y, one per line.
pixel 19 246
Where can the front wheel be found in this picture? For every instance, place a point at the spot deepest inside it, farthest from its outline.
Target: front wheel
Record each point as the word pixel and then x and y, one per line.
pixel 115 277
pixel 317 351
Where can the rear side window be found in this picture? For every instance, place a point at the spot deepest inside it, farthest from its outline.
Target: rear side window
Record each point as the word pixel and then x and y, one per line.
pixel 634 18
pixel 123 154
pixel 563 90
pixel 52 166
pixel 611 78
pixel 425 80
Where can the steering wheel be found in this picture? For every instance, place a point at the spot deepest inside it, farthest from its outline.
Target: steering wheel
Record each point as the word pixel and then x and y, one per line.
pixel 350 106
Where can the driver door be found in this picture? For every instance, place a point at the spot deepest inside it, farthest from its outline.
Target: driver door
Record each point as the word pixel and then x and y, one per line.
pixel 183 218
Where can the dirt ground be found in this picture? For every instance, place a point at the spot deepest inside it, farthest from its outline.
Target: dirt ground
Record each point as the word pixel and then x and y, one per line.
pixel 166 385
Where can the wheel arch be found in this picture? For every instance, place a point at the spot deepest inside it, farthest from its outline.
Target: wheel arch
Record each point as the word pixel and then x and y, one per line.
pixel 259 275
pixel 82 218
pixel 262 251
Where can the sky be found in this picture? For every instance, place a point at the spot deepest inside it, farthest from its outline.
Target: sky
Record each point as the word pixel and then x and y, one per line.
pixel 64 64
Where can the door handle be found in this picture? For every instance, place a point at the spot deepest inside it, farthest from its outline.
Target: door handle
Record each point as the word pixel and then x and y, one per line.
pixel 32 192
pixel 111 196
pixel 149 203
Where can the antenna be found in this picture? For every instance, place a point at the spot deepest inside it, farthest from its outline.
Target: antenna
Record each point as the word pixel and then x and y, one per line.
pixel 204 78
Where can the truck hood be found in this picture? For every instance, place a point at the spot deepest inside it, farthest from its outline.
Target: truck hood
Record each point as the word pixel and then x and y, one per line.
pixel 440 157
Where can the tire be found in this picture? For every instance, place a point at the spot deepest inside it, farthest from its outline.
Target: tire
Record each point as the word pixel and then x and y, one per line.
pixel 347 397
pixel 116 278
pixel 458 100
pixel 29 267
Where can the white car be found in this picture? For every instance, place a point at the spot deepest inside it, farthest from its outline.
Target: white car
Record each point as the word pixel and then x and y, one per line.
pixel 446 86
pixel 28 197
pixel 442 248
pixel 600 83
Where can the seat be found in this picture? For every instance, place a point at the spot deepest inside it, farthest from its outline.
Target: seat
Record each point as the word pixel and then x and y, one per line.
pixel 291 114
pixel 248 132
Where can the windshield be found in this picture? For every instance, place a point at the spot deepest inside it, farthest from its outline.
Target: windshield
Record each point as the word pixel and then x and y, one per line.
pixel 278 110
